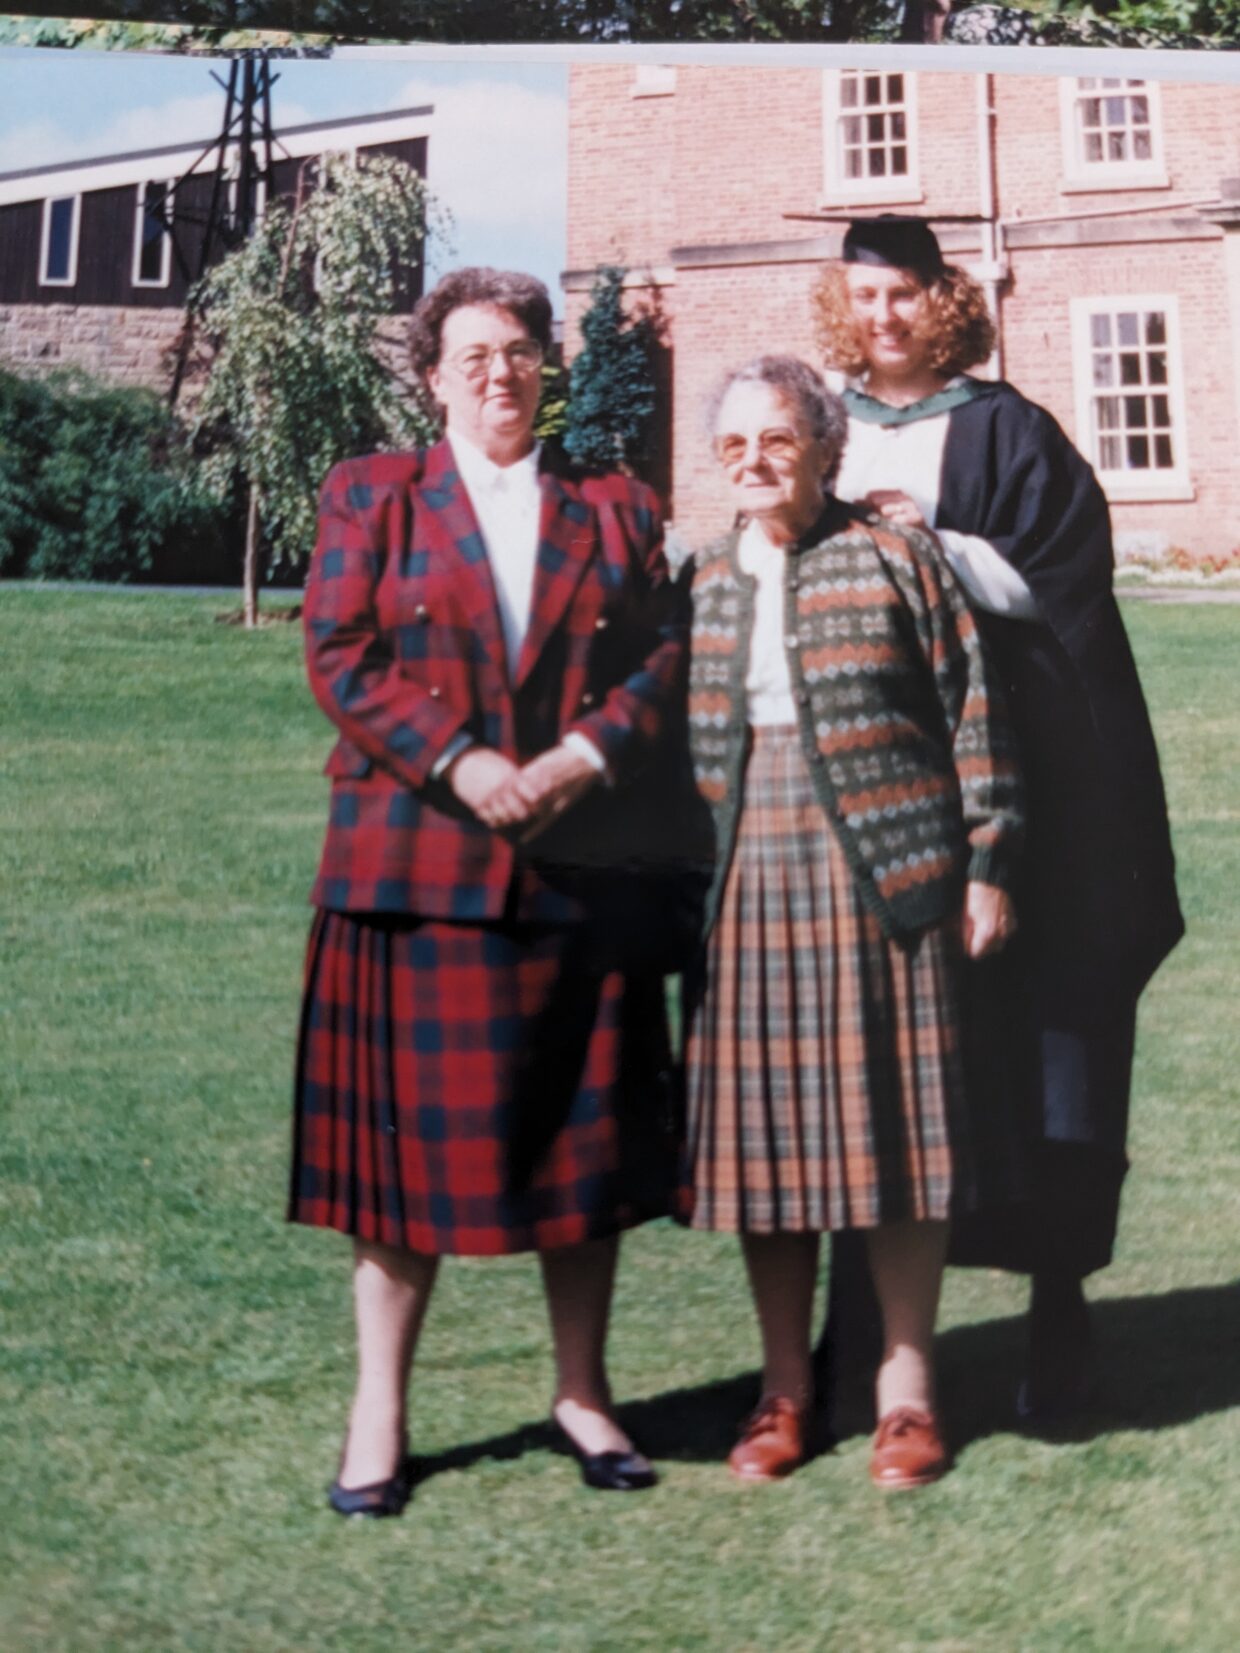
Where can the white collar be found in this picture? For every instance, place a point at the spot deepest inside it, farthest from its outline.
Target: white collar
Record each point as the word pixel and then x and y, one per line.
pixel 482 475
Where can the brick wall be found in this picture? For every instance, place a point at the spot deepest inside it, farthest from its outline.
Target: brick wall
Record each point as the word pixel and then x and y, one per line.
pixel 703 189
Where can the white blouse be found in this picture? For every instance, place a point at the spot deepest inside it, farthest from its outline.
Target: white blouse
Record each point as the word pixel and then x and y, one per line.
pixel 909 458
pixel 767 682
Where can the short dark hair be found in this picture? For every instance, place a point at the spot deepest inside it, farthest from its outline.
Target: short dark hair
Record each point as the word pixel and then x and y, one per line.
pixel 513 290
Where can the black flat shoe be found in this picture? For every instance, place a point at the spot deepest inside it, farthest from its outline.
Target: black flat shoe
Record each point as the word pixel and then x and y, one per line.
pixel 608 1471
pixel 380 1498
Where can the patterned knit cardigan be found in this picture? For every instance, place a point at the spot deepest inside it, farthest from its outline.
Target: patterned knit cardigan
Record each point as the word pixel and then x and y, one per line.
pixel 907 743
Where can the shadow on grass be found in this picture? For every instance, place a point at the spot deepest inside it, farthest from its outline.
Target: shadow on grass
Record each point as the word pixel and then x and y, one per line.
pixel 1163 1360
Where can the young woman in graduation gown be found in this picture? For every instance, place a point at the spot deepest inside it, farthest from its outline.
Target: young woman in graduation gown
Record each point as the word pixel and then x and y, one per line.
pixel 1024 524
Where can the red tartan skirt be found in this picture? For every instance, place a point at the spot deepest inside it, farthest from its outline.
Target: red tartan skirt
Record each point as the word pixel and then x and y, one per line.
pixel 478 1089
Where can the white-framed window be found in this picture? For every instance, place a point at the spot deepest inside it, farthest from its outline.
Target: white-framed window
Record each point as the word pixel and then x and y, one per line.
pixel 1130 410
pixel 152 242
pixel 1112 133
pixel 870 136
pixel 58 243
pixel 653 80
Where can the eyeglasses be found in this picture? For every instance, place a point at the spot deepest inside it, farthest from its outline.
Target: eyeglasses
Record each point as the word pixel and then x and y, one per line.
pixel 524 356
pixel 777 445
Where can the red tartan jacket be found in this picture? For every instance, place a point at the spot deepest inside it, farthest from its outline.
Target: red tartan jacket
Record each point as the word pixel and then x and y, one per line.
pixel 404 648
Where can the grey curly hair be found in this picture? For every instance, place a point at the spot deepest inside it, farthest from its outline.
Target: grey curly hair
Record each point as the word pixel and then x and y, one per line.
pixel 819 409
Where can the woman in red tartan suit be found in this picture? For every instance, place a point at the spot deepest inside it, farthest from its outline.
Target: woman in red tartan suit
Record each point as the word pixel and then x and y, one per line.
pixel 483 1052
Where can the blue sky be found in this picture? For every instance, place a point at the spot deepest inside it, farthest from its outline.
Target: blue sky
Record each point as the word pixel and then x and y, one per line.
pixel 497 154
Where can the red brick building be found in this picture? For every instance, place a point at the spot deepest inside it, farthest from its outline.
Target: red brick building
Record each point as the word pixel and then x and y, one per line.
pixel 1106 229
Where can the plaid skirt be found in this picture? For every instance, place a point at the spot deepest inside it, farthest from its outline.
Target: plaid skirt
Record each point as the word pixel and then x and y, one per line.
pixel 478 1089
pixel 825 1085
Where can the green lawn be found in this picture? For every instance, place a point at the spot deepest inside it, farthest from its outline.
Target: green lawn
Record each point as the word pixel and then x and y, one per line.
pixel 174 1361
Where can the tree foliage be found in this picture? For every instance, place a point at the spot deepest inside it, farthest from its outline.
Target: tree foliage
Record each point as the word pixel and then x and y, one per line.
pixel 95 484
pixel 612 394
pixel 488 20
pixel 307 25
pixel 286 327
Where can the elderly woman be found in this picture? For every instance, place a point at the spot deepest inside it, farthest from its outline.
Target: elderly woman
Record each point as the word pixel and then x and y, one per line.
pixel 1024 524
pixel 481 1070
pixel 867 815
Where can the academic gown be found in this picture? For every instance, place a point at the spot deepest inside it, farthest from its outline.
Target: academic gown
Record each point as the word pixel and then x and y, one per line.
pixel 1097 901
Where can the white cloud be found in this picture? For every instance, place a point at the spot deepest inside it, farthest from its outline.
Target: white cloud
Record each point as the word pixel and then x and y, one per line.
pixel 147 126
pixel 498 151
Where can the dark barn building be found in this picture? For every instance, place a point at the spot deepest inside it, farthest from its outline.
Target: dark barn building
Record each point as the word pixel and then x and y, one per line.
pixel 90 278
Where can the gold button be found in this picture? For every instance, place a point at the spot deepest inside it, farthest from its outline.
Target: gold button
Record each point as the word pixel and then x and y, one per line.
pixel 601 623
pixel 436 691
pixel 421 612
pixel 587 700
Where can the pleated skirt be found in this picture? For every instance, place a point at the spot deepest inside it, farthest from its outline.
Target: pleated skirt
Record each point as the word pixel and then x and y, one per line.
pixel 478 1089
pixel 824 1069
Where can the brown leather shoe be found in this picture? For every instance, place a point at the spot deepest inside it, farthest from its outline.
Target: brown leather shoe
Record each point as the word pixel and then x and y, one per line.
pixel 908 1450
pixel 772 1440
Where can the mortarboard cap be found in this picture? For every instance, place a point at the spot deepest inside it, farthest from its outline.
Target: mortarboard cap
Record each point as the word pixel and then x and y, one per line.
pixel 895 242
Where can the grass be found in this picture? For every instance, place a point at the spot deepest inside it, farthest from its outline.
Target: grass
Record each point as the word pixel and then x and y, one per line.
pixel 174 1361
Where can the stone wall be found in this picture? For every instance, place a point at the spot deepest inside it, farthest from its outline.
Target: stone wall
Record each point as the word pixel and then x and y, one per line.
pixel 121 345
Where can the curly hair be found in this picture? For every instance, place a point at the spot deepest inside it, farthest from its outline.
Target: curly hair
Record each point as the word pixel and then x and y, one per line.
pixel 820 410
pixel 523 295
pixel 957 323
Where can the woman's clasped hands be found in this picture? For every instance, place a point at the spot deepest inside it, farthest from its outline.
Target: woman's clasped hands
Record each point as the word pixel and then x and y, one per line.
pixel 502 793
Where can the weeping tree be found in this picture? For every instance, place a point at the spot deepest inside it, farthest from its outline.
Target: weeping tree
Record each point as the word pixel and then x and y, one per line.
pixel 288 370
pixel 613 393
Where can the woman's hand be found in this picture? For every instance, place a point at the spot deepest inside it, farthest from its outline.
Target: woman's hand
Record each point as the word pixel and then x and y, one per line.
pixel 483 780
pixel 896 507
pixel 989 920
pixel 551 783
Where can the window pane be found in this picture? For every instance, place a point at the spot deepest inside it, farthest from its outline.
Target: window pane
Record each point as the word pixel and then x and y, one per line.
pixel 1142 148
pixel 848 92
pixel 878 163
pixel 1127 324
pixel 1104 370
pixel 852 129
pixel 1134 412
pixel 1161 412
pixel 1093 146
pixel 875 128
pixel 897 125
pixel 1117 146
pixel 1115 108
pixel 1108 412
pixel 59 239
pixel 1100 329
pixel 899 161
pixel 154 217
pixel 1093 112
pixel 1109 453
pixel 874 88
pixel 1162 453
pixel 852 163
pixel 1140 111
pixel 1155 327
pixel 1130 369
pixel 1138 453
pixel 1157 367
pixel 895 88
